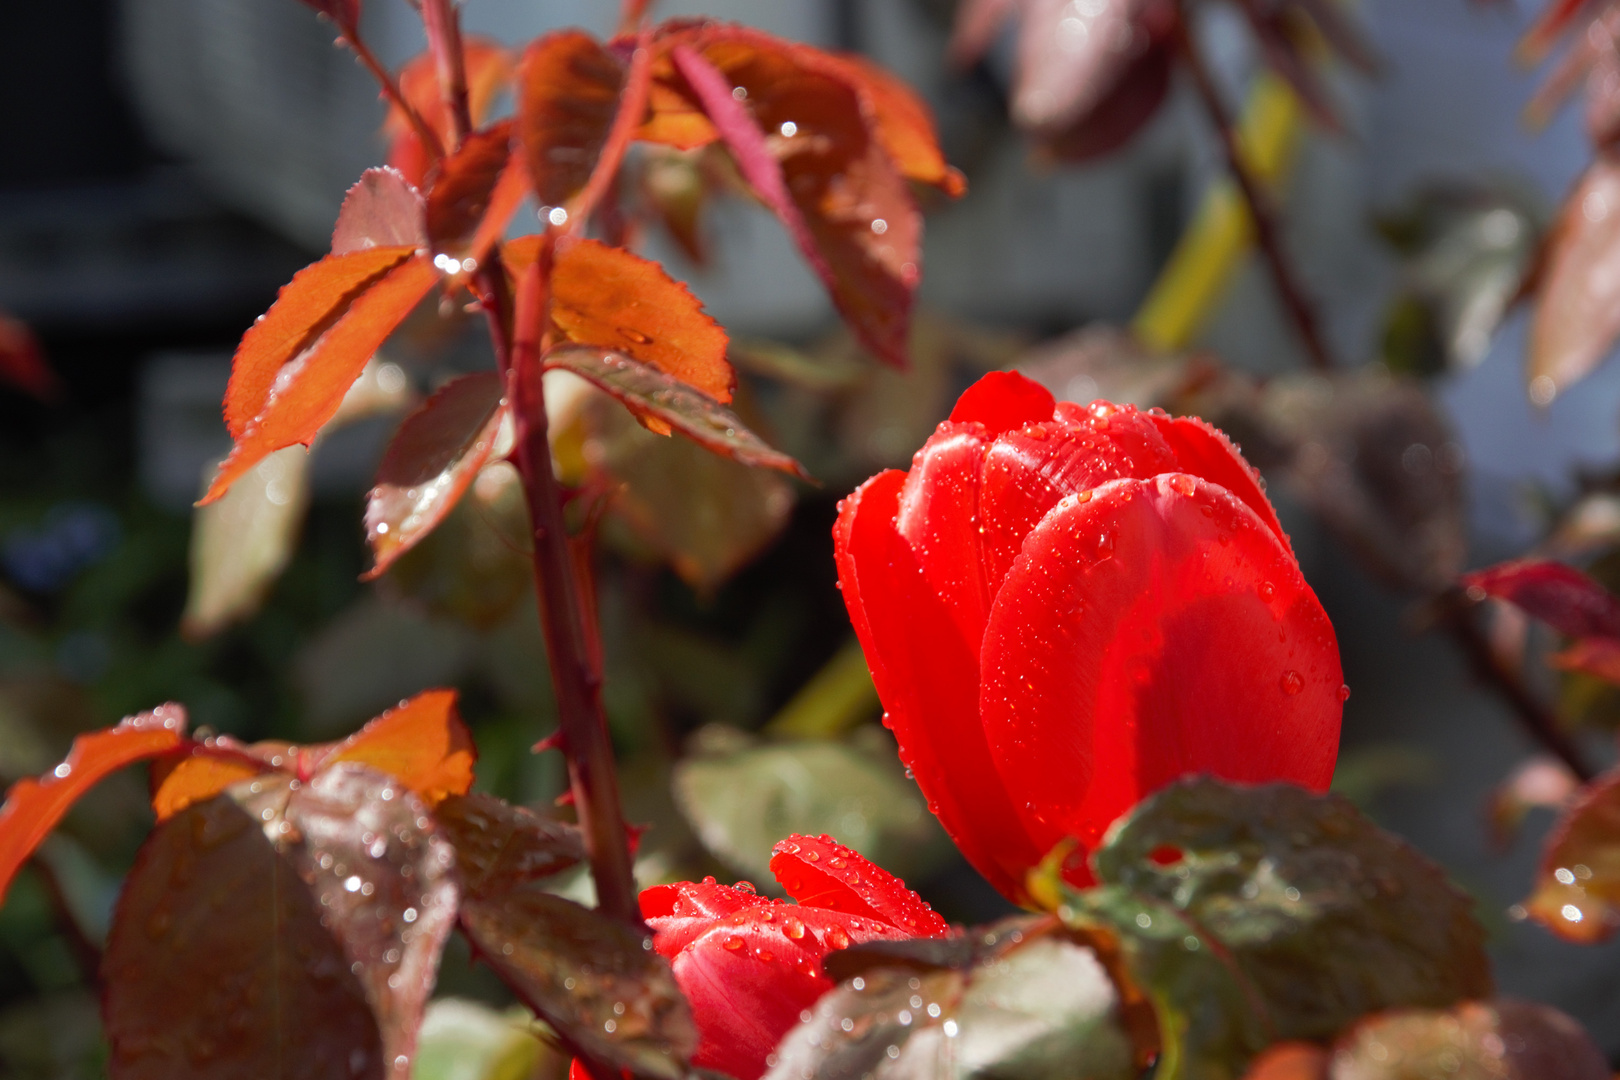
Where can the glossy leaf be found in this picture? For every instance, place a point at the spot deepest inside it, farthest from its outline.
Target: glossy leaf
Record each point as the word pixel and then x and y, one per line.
pixel 569 87
pixel 1124 110
pixel 741 803
pixel 355 899
pixel 821 170
pixel 1065 71
pixel 489 71
pixel 1578 314
pixel 22 361
pixel 500 847
pixel 382 209
pixel 241 543
pixel 422 743
pixel 469 199
pixel 595 981
pixel 649 392
pixel 301 397
pixel 1498 1040
pixel 1250 915
pixel 1021 1001
pixel 1560 596
pixel 34 806
pixel 309 305
pixel 1577 893
pixel 606 297
pixel 436 454
pixel 179 782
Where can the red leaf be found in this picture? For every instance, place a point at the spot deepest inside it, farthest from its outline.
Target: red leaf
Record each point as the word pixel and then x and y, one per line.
pixel 382 209
pixel 838 193
pixel 1560 596
pixel 1578 315
pixel 611 299
pixel 422 743
pixel 308 305
pixel 22 362
pixel 472 196
pixel 433 458
pixel 489 70
pixel 309 390
pixel 1123 111
pixel 1070 59
pixel 820 872
pixel 901 121
pixel 569 87
pixel 1553 21
pixel 33 807
pixel 651 393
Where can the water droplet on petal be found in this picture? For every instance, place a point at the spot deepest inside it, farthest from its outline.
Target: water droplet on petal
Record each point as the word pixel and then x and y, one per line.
pixel 1292 682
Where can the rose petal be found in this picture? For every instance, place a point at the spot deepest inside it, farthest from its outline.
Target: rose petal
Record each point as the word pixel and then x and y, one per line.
pixel 1002 400
pixel 1155 629
pixel 820 872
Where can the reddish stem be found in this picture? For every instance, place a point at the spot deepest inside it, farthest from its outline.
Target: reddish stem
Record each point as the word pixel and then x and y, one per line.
pixel 350 36
pixel 443 28
pixel 576 678
pixel 630 15
pixel 1266 232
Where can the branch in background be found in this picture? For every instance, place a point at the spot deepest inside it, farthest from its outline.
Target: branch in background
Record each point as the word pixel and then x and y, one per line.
pixel 1456 613
pixel 1266 231
pixel 443 28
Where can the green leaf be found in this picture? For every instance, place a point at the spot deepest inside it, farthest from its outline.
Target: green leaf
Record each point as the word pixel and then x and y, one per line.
pixel 741 803
pixel 1497 1040
pixel 1019 1000
pixel 1252 914
pixel 467 1040
pixel 595 981
pixel 649 392
pixel 500 846
pixel 312 915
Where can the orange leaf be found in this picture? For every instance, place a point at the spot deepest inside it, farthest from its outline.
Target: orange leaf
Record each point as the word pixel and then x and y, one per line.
pixel 568 98
pixel 422 743
pixel 33 807
pixel 607 297
pixel 307 306
pixel 489 69
pixel 1578 316
pixel 463 196
pixel 901 121
pixel 207 770
pixel 863 231
pixel 310 389
pixel 431 461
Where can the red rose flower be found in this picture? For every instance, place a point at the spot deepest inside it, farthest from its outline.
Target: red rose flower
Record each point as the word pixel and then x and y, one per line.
pixel 749 964
pixel 1067 607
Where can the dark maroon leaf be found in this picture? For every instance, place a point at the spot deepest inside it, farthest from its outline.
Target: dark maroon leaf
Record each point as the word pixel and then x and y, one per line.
pixel 1071 57
pixel 500 846
pixel 434 457
pixel 649 392
pixel 460 192
pixel 382 209
pixel 1559 595
pixel 313 914
pixel 597 982
pixel 1134 100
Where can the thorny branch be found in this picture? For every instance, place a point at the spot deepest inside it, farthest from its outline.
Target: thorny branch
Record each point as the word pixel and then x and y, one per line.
pixel 1266 231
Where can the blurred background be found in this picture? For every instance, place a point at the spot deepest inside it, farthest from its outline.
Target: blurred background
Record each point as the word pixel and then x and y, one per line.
pixel 171 163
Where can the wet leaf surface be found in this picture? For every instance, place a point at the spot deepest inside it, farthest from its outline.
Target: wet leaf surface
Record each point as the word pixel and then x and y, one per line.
pixel 1252 914
pixel 298 398
pixel 314 913
pixel 1496 1040
pixel 430 463
pixel 382 209
pixel 742 803
pixel 595 981
pixel 649 392
pixel 500 846
pixel 569 87
pixel 1561 596
pixel 1577 890
pixel 422 743
pixel 34 806
pixel 611 299
pixel 1011 1001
